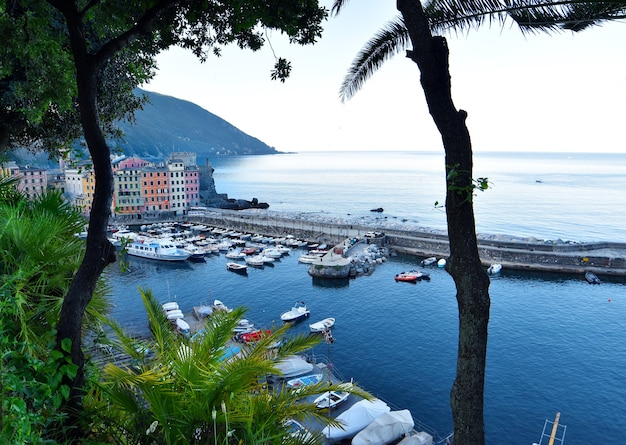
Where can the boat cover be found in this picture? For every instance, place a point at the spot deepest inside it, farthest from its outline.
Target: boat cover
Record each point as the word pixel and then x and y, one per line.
pixel 293 366
pixel 421 438
pixel 385 428
pixel 354 419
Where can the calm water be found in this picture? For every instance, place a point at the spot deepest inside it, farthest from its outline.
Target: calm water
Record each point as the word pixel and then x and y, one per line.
pixel 556 343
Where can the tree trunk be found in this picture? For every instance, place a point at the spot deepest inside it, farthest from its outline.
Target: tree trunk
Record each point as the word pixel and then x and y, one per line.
pixel 430 53
pixel 99 251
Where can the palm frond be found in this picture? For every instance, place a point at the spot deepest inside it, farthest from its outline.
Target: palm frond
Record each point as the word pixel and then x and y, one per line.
pixel 338 6
pixel 529 15
pixel 385 44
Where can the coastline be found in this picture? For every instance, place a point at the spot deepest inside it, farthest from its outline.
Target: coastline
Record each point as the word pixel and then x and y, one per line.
pixel 512 252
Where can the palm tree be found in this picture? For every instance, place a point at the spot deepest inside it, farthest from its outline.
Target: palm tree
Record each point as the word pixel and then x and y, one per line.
pixel 429 52
pixel 194 391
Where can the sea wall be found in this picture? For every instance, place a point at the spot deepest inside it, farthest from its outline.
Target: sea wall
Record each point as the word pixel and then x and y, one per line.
pixel 512 253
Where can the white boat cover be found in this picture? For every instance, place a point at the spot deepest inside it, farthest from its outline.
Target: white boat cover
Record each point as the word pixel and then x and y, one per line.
pixel 385 428
pixel 355 418
pixel 183 326
pixel 171 306
pixel 293 366
pixel 421 438
pixel 173 315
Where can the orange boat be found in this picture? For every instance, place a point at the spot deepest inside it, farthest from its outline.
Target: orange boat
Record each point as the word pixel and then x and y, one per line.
pixel 409 277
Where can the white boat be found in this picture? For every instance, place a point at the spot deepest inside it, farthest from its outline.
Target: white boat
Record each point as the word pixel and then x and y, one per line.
pixel 428 261
pixel 308 259
pixel 235 255
pixel 272 253
pixel 244 325
pixel 255 261
pixel 441 263
pixel 175 314
pixel 219 306
pixel 322 325
pixel 330 399
pixel 355 418
pixel 156 249
pixel 236 267
pixel 305 380
pixel 494 269
pixel 298 311
pixel 170 306
pixel 298 431
pixel 293 366
pixel 385 429
pixel 182 327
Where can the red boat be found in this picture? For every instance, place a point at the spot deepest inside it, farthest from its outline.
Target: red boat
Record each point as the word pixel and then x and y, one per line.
pixel 409 277
pixel 254 336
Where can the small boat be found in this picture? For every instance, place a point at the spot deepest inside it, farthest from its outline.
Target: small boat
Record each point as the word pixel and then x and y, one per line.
pixel 407 277
pixel 322 325
pixel 308 259
pixel 293 366
pixel 244 325
pixel 235 255
pixel 428 261
pixel 494 269
pixel 236 267
pixel 255 261
pixel 592 278
pixel 254 336
pixel 355 418
pixel 219 306
pixel 175 314
pixel 298 311
pixel 182 327
pixel 441 263
pixel 387 428
pixel 298 431
pixel 170 306
pixel 310 379
pixel 330 399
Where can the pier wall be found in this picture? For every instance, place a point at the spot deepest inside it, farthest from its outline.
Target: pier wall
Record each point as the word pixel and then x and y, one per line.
pixel 557 256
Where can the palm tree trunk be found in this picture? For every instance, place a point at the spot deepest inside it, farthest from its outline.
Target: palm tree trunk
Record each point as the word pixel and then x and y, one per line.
pixel 472 283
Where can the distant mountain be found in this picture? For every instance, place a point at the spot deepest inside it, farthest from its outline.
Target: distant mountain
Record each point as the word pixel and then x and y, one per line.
pixel 167 124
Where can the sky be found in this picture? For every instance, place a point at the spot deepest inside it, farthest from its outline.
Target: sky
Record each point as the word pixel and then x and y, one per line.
pixel 561 92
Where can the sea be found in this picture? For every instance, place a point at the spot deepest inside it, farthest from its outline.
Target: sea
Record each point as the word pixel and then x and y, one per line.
pixel 556 343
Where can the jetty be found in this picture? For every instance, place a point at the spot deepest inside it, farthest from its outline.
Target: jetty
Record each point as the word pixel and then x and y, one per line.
pixel 606 258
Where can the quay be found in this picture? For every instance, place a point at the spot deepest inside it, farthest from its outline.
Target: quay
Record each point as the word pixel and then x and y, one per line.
pixel 606 258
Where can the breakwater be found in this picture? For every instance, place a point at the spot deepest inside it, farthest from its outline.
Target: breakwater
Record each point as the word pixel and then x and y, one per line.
pixel 513 253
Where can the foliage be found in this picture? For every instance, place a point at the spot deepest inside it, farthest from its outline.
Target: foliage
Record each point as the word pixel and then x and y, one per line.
pixel 192 390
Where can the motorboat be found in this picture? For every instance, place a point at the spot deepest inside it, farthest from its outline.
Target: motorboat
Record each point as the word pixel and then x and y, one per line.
pixel 219 306
pixel 253 336
pixel 310 379
pixel 428 261
pixel 297 312
pixel 407 277
pixel 494 269
pixel 155 249
pixel 322 325
pixel 592 278
pixel 244 325
pixel 355 419
pixel 308 259
pixel 330 399
pixel 387 428
pixel 255 261
pixel 292 366
pixel 236 267
pixel 235 255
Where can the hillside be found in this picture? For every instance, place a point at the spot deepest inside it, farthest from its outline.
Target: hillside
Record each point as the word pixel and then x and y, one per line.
pixel 168 124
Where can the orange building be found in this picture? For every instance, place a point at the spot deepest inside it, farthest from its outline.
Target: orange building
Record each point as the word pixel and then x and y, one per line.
pixel 155 189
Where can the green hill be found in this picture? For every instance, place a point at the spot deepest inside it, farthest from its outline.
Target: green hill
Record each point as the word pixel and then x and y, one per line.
pixel 167 124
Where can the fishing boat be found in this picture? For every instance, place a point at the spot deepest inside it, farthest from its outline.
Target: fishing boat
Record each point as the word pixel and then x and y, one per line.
pixel 297 312
pixel 407 277
pixel 494 269
pixel 592 278
pixel 236 267
pixel 330 399
pixel 428 261
pixel 322 325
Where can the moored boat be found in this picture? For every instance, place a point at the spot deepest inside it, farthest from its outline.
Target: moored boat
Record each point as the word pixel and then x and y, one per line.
pixel 156 249
pixel 322 325
pixel 428 261
pixel 494 269
pixel 310 379
pixel 236 267
pixel 592 278
pixel 407 277
pixel 297 312
pixel 330 399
